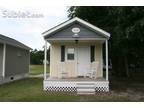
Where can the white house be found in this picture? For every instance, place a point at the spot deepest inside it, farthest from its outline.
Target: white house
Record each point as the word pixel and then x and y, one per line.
pixel 76 58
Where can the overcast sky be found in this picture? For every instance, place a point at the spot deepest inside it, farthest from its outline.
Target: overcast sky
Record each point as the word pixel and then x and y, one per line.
pixel 28 30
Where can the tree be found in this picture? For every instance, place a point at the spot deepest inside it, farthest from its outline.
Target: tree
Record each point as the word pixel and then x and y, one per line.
pixel 37 57
pixel 126 25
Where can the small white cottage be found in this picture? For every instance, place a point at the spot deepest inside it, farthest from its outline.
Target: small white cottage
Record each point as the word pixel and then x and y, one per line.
pixel 76 58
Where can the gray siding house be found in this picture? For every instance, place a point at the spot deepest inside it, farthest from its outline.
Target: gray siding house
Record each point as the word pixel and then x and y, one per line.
pixel 14 60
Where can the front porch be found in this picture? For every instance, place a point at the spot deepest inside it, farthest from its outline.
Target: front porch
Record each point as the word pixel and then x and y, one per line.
pixel 77 85
pixel 70 76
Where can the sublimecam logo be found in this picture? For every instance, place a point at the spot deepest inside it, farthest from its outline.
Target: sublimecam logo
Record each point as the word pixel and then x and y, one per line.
pixel 20 14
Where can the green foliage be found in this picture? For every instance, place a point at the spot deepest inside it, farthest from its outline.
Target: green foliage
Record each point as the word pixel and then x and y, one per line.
pixel 126 25
pixel 37 57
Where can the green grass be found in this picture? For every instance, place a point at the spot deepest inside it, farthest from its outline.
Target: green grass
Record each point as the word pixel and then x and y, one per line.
pixel 28 90
pixel 31 90
pixel 37 69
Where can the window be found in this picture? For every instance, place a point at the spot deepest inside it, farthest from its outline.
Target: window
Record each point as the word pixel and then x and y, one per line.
pixel 92 51
pixel 62 53
pixel 19 54
pixel 70 54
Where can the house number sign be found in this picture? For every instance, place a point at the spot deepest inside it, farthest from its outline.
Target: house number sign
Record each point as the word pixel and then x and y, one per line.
pixel 75 30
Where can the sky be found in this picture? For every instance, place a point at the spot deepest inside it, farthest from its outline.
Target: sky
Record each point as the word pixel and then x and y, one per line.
pixel 29 30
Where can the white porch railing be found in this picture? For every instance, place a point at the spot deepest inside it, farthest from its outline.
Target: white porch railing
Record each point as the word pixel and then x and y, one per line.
pixel 76 86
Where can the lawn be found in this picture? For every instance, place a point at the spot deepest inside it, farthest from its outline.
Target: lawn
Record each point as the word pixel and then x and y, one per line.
pixel 28 90
pixel 31 90
pixel 37 69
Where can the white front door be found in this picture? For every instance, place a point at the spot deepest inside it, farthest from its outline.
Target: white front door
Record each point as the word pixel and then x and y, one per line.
pixel 83 60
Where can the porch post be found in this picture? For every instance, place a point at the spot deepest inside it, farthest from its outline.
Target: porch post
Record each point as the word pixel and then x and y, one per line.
pixel 106 43
pixel 45 59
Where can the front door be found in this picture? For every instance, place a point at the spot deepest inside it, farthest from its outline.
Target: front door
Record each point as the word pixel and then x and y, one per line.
pixel 83 60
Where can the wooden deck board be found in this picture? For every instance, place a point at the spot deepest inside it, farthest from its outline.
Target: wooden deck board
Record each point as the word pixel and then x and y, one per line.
pixel 75 79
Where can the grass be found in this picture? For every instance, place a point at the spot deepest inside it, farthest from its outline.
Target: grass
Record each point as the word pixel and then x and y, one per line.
pixel 30 90
pixel 37 69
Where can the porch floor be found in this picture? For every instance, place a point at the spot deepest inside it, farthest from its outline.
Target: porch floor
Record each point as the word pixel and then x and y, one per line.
pixel 76 79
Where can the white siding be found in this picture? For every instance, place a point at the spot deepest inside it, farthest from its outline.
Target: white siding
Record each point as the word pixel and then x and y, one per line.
pixel 71 66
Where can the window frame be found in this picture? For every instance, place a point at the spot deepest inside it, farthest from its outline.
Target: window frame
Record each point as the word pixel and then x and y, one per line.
pixel 70 53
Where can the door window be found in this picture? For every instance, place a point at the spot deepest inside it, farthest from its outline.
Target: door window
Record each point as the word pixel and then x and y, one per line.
pixel 70 53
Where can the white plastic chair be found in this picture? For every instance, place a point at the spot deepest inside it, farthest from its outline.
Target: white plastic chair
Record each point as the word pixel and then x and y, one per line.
pixel 93 69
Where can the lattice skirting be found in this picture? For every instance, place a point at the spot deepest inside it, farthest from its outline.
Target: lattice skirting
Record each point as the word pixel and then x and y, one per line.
pixel 102 89
pixel 102 86
pixel 65 89
pixel 72 86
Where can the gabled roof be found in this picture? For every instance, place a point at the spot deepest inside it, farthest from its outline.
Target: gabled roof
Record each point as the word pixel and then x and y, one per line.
pixel 13 42
pixel 62 25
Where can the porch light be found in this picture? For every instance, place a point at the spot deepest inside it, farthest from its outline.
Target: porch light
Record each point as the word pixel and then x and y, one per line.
pixel 76 41
pixel 76 36
pixel 76 30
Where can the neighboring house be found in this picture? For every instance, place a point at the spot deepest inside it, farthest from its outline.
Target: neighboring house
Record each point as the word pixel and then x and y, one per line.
pixel 76 60
pixel 14 60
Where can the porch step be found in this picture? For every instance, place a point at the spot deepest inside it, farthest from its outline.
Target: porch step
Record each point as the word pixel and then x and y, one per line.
pixel 85 88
